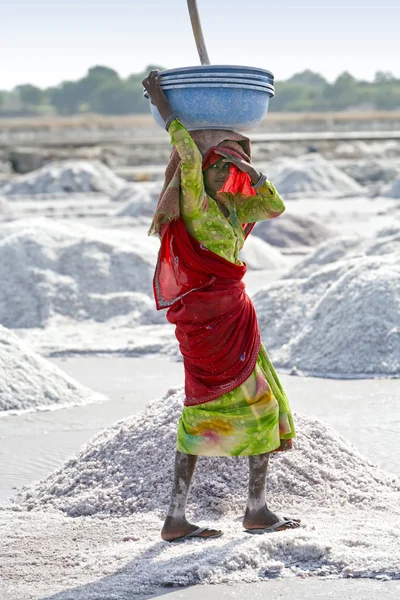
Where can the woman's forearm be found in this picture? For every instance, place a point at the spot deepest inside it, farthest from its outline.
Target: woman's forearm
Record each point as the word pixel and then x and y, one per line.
pixel 165 111
pixel 266 204
pixel 157 97
pixel 192 184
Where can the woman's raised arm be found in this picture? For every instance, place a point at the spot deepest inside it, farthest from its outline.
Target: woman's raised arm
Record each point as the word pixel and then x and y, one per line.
pixel 193 196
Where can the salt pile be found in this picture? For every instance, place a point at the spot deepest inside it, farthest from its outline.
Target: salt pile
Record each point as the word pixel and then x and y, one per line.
pixel 359 149
pixel 337 312
pixel 371 171
pixel 126 471
pixel 257 255
pixel 293 231
pixel 78 176
pixel 28 381
pixel 5 167
pixel 5 210
pixel 128 468
pixel 311 174
pixel 385 241
pixel 78 272
pixel 391 189
pixel 133 335
pixel 140 199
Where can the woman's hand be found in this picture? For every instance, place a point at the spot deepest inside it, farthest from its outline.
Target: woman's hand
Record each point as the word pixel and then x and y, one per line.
pixel 153 87
pixel 241 164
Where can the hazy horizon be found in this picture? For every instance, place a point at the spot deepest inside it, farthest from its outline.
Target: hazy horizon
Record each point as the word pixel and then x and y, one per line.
pixel 49 42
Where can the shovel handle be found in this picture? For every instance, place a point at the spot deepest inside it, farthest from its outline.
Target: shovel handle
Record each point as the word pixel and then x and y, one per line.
pixel 197 32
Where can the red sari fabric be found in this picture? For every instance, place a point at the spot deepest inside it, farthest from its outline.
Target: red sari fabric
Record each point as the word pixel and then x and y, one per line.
pixel 216 323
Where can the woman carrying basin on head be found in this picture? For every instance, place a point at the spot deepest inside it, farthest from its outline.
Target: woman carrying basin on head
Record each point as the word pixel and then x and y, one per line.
pixel 235 404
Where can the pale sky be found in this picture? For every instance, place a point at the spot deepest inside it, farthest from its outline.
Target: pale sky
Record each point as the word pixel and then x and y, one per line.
pixel 46 41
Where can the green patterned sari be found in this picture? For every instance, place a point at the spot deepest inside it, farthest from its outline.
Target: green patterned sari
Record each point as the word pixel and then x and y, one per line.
pixel 254 418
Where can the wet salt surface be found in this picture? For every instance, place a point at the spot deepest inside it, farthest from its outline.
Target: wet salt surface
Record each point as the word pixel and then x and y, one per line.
pixel 310 589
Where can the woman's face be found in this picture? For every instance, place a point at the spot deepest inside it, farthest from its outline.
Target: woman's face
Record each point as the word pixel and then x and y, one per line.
pixel 215 176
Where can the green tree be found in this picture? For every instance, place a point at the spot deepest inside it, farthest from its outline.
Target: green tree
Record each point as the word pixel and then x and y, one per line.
pixel 137 78
pixel 344 83
pixel 72 96
pixel 344 92
pixel 30 95
pixel 308 78
pixel 102 72
pixel 65 98
pixel 96 77
pixel 384 77
pixel 118 98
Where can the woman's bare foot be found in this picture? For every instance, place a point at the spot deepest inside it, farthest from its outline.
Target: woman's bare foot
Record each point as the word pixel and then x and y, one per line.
pixel 177 528
pixel 263 518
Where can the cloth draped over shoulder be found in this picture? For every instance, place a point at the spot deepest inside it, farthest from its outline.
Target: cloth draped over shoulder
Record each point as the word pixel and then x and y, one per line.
pixel 168 203
pixel 216 323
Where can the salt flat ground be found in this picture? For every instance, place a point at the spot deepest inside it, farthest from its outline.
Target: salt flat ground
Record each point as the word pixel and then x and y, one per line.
pixel 35 444
pixel 49 556
pixel 43 554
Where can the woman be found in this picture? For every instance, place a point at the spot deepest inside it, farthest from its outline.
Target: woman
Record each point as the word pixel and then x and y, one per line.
pixel 235 405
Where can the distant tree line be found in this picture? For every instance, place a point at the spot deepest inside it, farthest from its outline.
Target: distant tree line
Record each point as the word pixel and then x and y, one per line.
pixel 103 91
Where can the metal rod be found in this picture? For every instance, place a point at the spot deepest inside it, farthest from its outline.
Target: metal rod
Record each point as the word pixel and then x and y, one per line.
pixel 197 32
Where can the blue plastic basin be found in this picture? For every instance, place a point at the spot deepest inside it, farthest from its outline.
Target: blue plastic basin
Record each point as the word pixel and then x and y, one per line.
pixel 220 76
pixel 223 70
pixel 217 96
pixel 168 75
pixel 165 83
pixel 232 108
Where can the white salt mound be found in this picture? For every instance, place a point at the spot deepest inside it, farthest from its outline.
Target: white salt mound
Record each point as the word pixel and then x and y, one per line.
pixel 28 381
pixel 66 178
pixel 292 231
pixel 124 335
pixel 385 241
pixel 124 475
pixel 312 174
pixel 257 255
pixel 360 149
pixel 5 210
pixel 128 468
pixel 337 312
pixel 140 199
pixel 391 189
pixel 5 167
pixel 79 272
pixel 372 170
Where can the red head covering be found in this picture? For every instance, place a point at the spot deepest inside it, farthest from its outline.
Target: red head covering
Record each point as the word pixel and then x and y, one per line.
pixel 237 182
